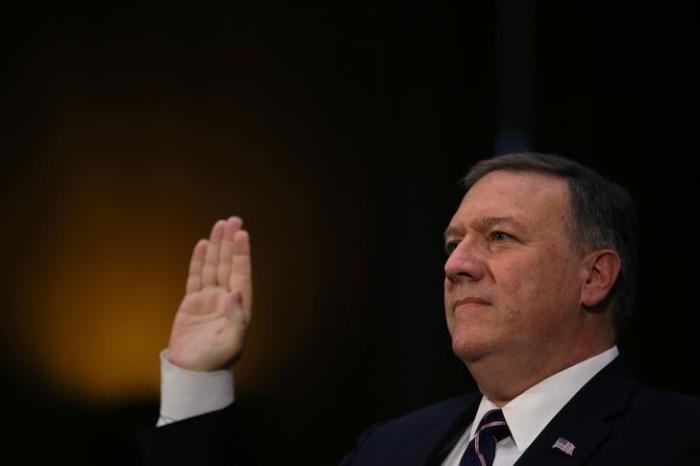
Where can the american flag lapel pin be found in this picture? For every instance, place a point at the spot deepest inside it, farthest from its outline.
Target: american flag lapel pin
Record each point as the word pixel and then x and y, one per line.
pixel 564 446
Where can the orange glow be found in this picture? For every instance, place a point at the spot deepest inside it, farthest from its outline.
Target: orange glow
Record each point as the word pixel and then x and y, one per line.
pixel 107 268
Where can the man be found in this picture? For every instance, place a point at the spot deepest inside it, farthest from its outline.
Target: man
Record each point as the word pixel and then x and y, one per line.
pixel 539 276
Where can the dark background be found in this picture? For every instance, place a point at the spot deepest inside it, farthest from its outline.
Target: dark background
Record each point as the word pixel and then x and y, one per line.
pixel 339 133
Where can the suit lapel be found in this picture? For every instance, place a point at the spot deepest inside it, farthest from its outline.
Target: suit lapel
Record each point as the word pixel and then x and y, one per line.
pixel 585 437
pixel 432 448
pixel 582 421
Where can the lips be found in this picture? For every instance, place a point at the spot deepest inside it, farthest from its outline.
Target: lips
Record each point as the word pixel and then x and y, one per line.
pixel 470 301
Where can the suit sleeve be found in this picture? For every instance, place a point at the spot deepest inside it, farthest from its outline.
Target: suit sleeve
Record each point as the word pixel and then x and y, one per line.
pixel 212 439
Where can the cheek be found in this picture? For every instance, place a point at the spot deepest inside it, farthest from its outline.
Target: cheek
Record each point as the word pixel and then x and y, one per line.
pixel 516 283
pixel 516 298
pixel 449 318
pixel 525 286
pixel 540 287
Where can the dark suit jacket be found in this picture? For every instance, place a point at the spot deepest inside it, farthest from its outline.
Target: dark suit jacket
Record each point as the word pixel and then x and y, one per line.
pixel 613 420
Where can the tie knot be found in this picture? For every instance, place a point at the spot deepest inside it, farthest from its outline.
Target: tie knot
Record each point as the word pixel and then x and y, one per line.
pixel 482 448
pixel 494 424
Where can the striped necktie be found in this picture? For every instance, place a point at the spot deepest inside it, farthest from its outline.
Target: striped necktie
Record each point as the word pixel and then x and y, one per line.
pixel 482 449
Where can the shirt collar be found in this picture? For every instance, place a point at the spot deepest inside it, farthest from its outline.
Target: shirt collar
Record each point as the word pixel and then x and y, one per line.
pixel 530 412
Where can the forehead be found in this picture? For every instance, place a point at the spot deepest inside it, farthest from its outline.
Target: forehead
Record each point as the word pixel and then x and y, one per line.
pixel 532 199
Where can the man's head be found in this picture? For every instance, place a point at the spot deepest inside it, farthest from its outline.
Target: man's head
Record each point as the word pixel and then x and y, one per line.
pixel 542 252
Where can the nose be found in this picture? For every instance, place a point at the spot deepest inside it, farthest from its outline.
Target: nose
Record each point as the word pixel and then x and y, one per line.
pixel 463 264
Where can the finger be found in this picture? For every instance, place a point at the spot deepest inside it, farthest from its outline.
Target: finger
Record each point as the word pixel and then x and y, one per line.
pixel 194 276
pixel 223 273
pixel 241 274
pixel 211 261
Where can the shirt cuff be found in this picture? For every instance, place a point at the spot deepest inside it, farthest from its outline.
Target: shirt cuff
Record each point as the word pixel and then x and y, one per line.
pixel 185 393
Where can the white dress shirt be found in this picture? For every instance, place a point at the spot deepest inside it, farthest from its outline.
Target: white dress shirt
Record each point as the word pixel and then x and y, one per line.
pixel 187 394
pixel 530 412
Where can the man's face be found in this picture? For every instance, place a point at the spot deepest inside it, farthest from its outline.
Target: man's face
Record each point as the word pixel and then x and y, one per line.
pixel 512 279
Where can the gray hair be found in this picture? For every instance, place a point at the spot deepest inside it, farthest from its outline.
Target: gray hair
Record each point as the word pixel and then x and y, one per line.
pixel 602 216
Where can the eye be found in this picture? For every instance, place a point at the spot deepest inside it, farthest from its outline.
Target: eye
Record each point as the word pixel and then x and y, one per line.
pixel 450 246
pixel 500 236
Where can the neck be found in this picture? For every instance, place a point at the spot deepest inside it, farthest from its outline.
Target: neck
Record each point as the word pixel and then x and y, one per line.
pixel 501 379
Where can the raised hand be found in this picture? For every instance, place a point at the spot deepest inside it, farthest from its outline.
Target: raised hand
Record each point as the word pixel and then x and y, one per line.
pixel 209 328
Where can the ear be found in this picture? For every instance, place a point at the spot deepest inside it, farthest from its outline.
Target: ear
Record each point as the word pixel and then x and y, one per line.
pixel 602 268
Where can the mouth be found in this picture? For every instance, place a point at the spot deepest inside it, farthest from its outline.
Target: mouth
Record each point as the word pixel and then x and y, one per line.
pixel 469 302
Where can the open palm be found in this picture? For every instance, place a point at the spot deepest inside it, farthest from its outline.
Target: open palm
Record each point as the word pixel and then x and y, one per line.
pixel 209 328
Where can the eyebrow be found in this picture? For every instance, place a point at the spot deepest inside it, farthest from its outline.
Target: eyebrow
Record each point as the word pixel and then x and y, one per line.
pixel 485 223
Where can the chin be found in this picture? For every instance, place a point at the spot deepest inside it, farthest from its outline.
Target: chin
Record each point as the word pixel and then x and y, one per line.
pixel 469 349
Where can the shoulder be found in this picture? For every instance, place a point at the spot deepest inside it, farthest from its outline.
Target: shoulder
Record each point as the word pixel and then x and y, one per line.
pixel 628 403
pixel 418 434
pixel 436 412
pixel 656 417
pixel 432 416
pixel 664 406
